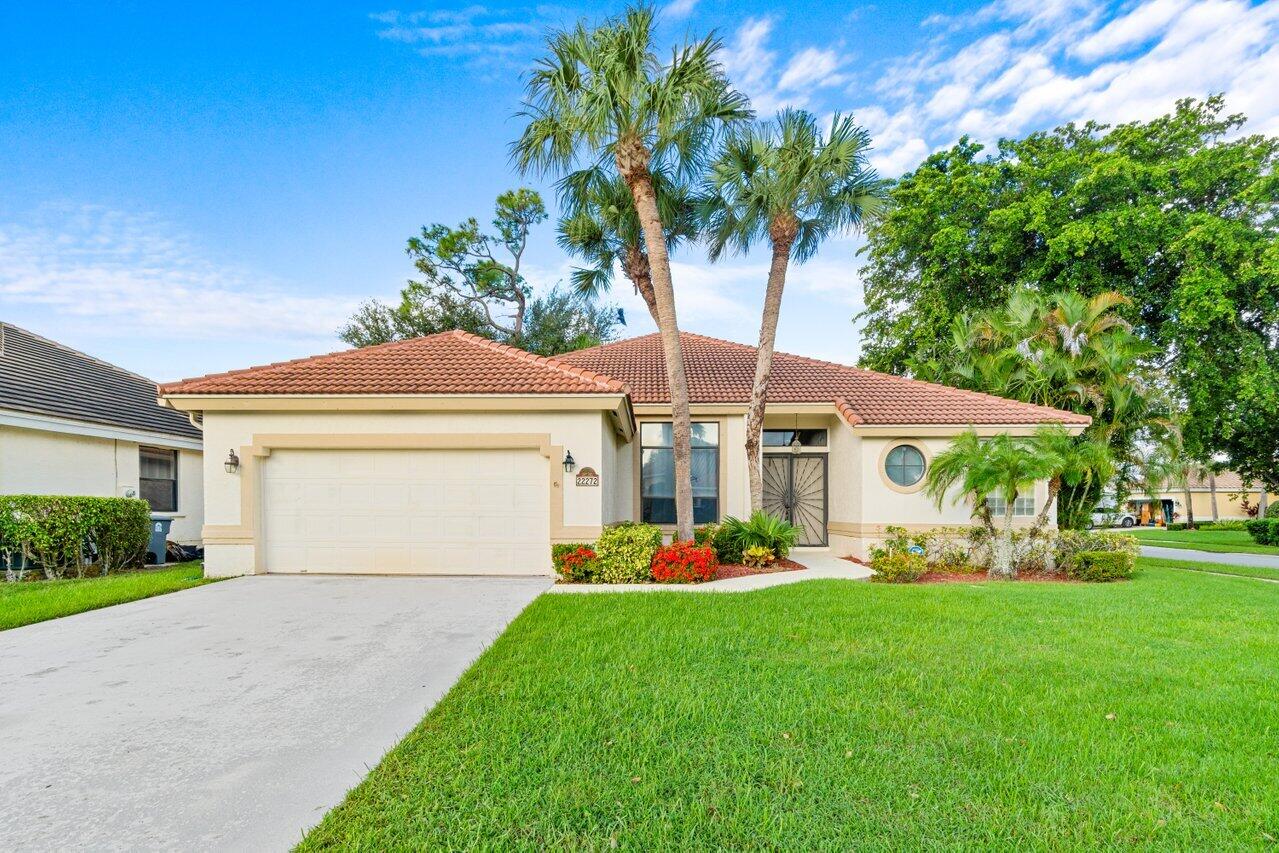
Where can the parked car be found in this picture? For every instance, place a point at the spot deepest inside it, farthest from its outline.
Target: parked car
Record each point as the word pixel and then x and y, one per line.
pixel 1109 516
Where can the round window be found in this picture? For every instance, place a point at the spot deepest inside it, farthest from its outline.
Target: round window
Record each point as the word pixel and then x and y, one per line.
pixel 904 465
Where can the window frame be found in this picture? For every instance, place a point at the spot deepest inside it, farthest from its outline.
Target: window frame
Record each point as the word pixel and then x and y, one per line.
pixel 815 432
pixel 718 480
pixel 172 481
pixel 997 510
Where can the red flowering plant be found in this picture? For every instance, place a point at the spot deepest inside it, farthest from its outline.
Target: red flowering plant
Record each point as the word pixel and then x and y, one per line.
pixel 684 562
pixel 575 562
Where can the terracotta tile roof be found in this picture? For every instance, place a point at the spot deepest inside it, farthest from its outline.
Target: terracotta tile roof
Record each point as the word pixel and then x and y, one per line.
pixel 1227 481
pixel 448 363
pixel 723 372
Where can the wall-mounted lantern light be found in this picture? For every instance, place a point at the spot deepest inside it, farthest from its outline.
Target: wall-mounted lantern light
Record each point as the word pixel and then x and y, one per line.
pixel 232 463
pixel 569 462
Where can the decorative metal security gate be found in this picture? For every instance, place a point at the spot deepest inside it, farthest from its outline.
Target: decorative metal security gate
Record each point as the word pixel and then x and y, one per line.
pixel 795 489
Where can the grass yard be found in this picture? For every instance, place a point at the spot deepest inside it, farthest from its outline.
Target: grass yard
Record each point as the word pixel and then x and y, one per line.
pixel 1218 541
pixel 832 715
pixel 1219 568
pixel 29 602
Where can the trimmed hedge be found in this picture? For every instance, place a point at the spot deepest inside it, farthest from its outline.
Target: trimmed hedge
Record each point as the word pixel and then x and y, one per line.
pixel 65 534
pixel 1101 566
pixel 575 562
pixel 728 551
pixel 1264 531
pixel 626 552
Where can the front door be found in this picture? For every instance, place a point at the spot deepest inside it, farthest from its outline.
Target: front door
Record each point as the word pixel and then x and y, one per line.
pixel 795 489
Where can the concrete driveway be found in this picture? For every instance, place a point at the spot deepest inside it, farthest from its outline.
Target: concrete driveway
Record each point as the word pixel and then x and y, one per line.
pixel 231 716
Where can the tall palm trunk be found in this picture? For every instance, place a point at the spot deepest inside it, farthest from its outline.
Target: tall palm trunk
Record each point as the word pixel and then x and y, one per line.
pixel 636 267
pixel 782 235
pixel 1002 567
pixel 632 164
pixel 1212 491
pixel 1190 508
pixel 1041 520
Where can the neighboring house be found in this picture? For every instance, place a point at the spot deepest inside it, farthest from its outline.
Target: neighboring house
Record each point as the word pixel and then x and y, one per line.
pixel 451 453
pixel 73 425
pixel 1231 494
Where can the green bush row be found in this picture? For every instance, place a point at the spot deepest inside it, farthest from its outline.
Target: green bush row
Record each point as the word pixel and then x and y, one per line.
pixel 1264 531
pixel 623 554
pixel 64 534
pixel 734 537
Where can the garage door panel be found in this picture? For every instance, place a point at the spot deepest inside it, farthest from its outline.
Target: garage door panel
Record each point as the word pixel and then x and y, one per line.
pixel 406 511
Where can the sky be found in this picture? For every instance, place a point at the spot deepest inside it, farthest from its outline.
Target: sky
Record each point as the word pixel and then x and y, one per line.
pixel 188 188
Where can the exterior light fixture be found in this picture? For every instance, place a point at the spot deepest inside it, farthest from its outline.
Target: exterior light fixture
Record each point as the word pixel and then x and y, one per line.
pixel 569 462
pixel 232 463
pixel 796 447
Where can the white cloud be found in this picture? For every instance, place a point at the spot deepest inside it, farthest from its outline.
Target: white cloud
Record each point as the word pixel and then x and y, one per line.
pixel 1045 63
pixel 677 9
pixel 753 68
pixel 136 276
pixel 487 39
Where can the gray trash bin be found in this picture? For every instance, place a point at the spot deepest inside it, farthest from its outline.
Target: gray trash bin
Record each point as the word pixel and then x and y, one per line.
pixel 156 548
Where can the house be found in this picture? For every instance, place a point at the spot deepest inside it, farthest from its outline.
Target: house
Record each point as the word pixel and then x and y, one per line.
pixel 1170 501
pixel 454 454
pixel 73 425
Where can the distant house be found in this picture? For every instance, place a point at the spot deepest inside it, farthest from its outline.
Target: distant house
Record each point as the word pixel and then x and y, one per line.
pixel 1231 492
pixel 73 425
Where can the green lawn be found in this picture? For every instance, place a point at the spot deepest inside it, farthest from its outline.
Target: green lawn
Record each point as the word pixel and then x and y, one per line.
pixel 835 715
pixel 1221 569
pixel 1218 541
pixel 28 602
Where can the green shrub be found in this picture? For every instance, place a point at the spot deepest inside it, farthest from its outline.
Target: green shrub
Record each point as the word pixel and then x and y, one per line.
pixel 720 539
pixel 626 552
pixel 1264 531
pixel 761 530
pixel 1178 525
pixel 64 534
pixel 1099 566
pixel 575 562
pixel 1072 542
pixel 897 567
pixel 1272 510
pixel 758 557
pixel 1225 524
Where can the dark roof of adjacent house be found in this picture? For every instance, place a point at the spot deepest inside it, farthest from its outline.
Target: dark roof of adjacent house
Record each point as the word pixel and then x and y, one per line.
pixel 454 362
pixel 43 377
pixel 718 372
pixel 724 372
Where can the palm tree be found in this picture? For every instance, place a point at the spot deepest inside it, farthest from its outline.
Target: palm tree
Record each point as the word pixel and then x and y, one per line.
pixel 1000 466
pixel 600 226
pixel 602 96
pixel 1083 461
pixel 1212 490
pixel 784 181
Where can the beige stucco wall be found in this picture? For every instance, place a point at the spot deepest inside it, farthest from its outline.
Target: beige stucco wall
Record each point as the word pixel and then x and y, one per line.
pixel 58 463
pixel 586 433
pixel 1229 504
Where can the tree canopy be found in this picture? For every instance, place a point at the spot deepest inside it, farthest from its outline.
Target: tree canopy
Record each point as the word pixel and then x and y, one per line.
pixel 1177 214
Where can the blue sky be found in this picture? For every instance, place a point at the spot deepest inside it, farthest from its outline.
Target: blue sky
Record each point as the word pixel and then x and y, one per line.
pixel 187 188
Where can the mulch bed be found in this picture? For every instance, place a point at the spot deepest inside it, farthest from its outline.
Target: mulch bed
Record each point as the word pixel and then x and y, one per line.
pixel 732 570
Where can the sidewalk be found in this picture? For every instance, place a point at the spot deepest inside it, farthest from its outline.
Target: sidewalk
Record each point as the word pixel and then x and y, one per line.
pixel 820 565
pixel 1261 561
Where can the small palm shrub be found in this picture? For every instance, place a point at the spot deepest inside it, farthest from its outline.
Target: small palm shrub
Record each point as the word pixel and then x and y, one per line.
pixel 626 552
pixel 897 567
pixel 684 562
pixel 575 562
pixel 1101 566
pixel 1225 524
pixel 762 530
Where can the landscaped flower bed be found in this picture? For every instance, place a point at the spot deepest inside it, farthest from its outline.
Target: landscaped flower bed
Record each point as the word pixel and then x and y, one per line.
pixel 634 553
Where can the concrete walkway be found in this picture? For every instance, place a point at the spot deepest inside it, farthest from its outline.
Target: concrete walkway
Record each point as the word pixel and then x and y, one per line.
pixel 819 564
pixel 230 716
pixel 1264 561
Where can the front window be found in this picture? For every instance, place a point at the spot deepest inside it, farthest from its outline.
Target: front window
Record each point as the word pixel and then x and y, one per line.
pixel 1023 506
pixel 904 465
pixel 784 437
pixel 158 478
pixel 657 473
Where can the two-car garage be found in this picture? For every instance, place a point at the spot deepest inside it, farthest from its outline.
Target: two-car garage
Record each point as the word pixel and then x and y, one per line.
pixel 405 511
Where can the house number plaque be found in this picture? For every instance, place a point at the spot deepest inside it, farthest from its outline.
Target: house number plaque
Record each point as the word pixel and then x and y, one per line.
pixel 588 477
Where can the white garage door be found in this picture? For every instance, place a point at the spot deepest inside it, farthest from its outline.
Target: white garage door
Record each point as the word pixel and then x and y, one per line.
pixel 406 511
